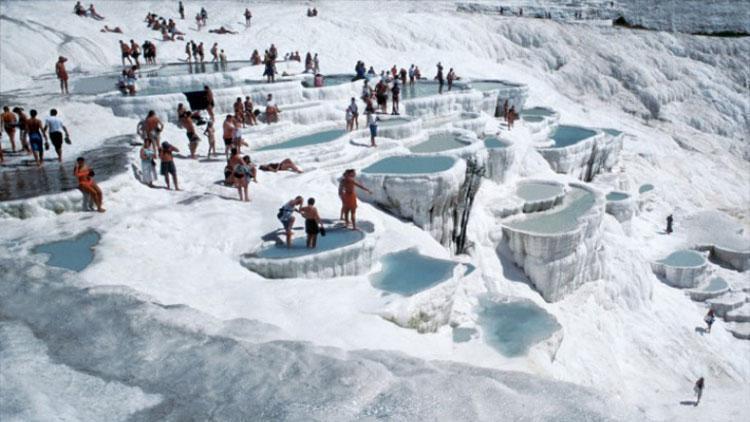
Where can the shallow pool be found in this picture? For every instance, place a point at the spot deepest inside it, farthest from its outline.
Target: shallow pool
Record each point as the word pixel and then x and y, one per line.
pixel 684 258
pixel 410 164
pixel 393 122
pixel 488 85
pixel 438 143
pixel 535 191
pixel 73 254
pixel 716 284
pixel 422 89
pixel 569 135
pixel 408 272
pixel 612 132
pixel 494 142
pixel 329 80
pixel 532 119
pixel 514 327
pixel 335 238
pixel 646 188
pixel 617 196
pixel 560 219
pixel 174 69
pixel 306 140
pixel 538 111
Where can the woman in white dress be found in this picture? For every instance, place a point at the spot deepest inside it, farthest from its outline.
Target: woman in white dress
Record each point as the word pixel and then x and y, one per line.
pixel 148 165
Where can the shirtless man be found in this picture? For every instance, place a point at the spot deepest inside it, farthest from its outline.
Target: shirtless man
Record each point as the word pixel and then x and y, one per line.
pixel 153 127
pixel 215 53
pixel 135 51
pixel 239 112
pixel 312 222
pixel 62 74
pixel 349 197
pixel 228 134
pixel 9 124
pixel 36 135
pixel 167 163
pixel 187 52
pixel 250 111
pixel 23 133
pixel 201 53
pixel 125 50
pixel 209 100
pixel 272 110
pixel 186 121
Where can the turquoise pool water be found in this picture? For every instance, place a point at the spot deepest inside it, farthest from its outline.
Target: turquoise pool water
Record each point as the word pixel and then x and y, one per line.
pixel 408 272
pixel 716 284
pixel 306 140
pixel 646 188
pixel 514 327
pixel 538 111
pixel 560 219
pixel 74 254
pixel 488 85
pixel 335 238
pixel 570 135
pixel 422 89
pixel 410 164
pixel 330 80
pixel 617 196
pixel 533 191
pixel 439 143
pixel 611 132
pixel 532 119
pixel 494 142
pixel 392 122
pixel 174 69
pixel 684 258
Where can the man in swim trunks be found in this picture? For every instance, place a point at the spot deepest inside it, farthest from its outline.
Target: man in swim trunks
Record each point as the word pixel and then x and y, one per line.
pixel 439 78
pixel 125 50
pixel 23 134
pixel 55 127
pixel 209 99
pixel 250 111
pixel 349 197
pixel 186 120
pixel 272 110
pixel 9 124
pixel 312 222
pixel 228 135
pixel 167 163
pixel 286 217
pixel 36 137
pixel 135 52
pixel 62 74
pixel 153 127
pixel 239 112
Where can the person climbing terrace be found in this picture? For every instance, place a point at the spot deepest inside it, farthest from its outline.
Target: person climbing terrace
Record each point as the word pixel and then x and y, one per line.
pixel 283 165
pixel 135 52
pixel 313 225
pixel 248 17
pixel 125 52
pixel 450 78
pixel 93 14
pixel 348 193
pixel 709 319
pixel 439 77
pixel 130 79
pixel 208 97
pixel 250 111
pixel 186 121
pixel 153 127
pixel 9 122
pixel 62 74
pixel 286 217
pixel 57 132
pixel 272 110
pixel 395 93
pixel 37 137
pixel 698 389
pixel 228 129
pixel 222 30
pixel 167 164
pixel 670 220
pixel 87 184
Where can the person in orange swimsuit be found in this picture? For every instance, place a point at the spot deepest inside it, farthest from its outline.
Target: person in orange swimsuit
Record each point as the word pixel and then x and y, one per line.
pixel 9 124
pixel 86 182
pixel 62 74
pixel 348 195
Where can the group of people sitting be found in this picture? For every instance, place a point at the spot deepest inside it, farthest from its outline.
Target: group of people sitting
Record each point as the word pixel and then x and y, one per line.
pixel 167 27
pixel 79 10
pixel 312 12
pixel 293 56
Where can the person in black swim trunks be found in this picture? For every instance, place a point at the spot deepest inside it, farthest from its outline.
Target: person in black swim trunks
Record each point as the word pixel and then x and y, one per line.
pixel 55 128
pixel 285 164
pixel 36 134
pixel 312 222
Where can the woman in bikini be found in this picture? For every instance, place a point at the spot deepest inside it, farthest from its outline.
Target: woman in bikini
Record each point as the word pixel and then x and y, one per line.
pixel 86 183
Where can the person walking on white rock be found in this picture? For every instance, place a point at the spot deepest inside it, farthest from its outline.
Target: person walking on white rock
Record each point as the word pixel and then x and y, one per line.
pixel 352 116
pixel 439 78
pixel 670 220
pixel 55 128
pixel 698 389
pixel 709 320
